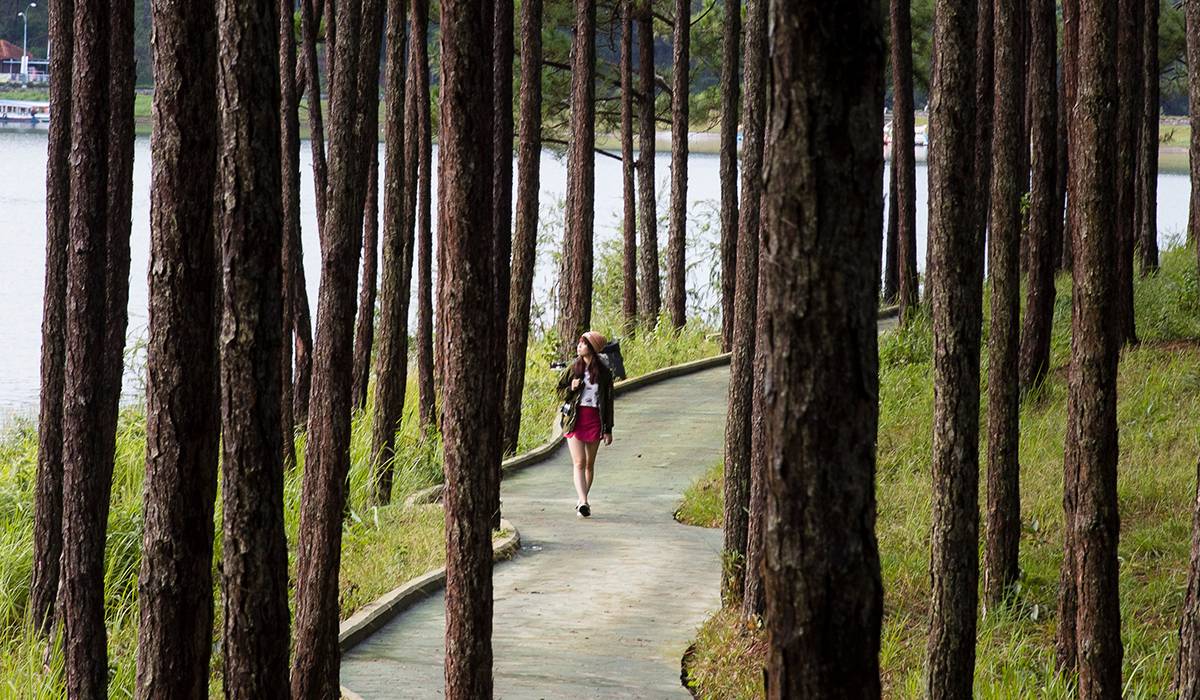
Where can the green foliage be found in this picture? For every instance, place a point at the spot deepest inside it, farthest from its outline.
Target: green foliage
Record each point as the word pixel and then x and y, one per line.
pixel 704 501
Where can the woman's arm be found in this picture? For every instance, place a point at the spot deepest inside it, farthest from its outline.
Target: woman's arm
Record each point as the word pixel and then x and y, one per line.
pixel 564 384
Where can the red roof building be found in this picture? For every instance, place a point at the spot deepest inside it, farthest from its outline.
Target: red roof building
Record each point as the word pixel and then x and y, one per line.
pixel 9 50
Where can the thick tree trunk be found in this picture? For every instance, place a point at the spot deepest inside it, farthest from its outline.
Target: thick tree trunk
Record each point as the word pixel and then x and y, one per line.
pixel 1045 209
pixel 955 284
pixel 649 301
pixel 677 235
pixel 391 360
pixel 1091 442
pixel 1147 167
pixel 824 211
pixel 1187 665
pixel 1000 566
pixel 628 192
pixel 904 158
pixel 254 549
pixel 419 33
pixel 289 124
pixel 891 266
pixel 575 280
pixel 48 504
pixel 1129 109
pixel 175 592
pixel 737 485
pixel 730 96
pixel 364 320
pixel 465 288
pixel 525 242
pixel 327 460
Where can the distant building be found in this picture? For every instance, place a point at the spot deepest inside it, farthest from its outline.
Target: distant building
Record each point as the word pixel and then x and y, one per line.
pixel 10 65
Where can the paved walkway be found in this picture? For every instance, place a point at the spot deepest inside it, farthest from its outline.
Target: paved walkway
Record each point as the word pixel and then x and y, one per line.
pixel 596 608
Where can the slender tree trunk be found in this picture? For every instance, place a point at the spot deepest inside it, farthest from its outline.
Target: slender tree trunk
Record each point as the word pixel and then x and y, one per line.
pixel 175 592
pixel 629 197
pixel 420 60
pixel 575 280
pixel 1187 665
pixel 327 460
pixel 677 235
pixel 891 266
pixel 1147 219
pixel 984 118
pixel 254 549
pixel 824 211
pixel 302 325
pixel 310 22
pixel 904 158
pixel 650 302
pixel 292 247
pixel 1000 565
pixel 738 511
pixel 1129 108
pixel 525 241
pixel 754 603
pixel 391 360
pixel 466 286
pixel 730 96
pixel 1192 16
pixel 1070 71
pixel 955 283
pixel 1045 209
pixel 1091 442
pixel 48 504
pixel 502 176
pixel 364 320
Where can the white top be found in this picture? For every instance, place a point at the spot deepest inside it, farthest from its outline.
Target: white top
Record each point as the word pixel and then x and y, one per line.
pixel 591 392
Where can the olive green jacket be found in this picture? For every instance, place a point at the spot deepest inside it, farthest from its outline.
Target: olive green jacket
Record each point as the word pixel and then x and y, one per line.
pixel 570 399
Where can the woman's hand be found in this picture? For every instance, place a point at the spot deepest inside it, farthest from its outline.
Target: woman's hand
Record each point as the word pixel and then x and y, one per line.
pixel 607 438
pixel 575 384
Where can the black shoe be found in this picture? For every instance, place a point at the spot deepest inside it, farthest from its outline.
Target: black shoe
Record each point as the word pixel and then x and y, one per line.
pixel 585 510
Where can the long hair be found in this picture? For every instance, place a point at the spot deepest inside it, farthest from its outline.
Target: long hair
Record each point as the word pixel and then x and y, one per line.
pixel 593 370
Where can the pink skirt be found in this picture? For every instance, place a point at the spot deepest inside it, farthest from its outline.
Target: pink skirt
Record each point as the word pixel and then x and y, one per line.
pixel 587 425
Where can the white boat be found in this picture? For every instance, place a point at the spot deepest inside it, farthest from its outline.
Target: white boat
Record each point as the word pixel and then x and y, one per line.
pixel 24 111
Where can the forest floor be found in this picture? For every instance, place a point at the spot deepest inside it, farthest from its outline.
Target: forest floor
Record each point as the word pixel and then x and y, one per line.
pixel 1158 414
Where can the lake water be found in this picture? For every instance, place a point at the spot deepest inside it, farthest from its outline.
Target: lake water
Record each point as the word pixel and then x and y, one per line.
pixel 22 238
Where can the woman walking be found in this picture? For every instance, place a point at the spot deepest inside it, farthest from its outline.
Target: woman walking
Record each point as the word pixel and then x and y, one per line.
pixel 586 389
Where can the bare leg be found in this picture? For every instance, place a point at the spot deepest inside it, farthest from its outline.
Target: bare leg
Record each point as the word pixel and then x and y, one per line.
pixel 579 460
pixel 589 471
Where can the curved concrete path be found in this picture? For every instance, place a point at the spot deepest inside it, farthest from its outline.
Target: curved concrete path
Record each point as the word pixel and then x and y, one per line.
pixel 596 608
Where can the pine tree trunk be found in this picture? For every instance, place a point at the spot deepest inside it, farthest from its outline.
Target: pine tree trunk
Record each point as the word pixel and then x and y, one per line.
pixel 419 31
pixel 1147 230
pixel 302 325
pixel 1129 109
pixel 175 591
pixel 310 23
pixel 738 512
pixel 1192 15
pixel 290 188
pixel 48 504
pixel 677 235
pixel 364 320
pixel 1187 665
pixel 754 603
pixel 891 266
pixel 254 550
pixel 955 284
pixel 1045 210
pixel 391 359
pixel 730 97
pixel 649 301
pixel 502 176
pixel 628 192
pixel 525 240
pixel 355 76
pixel 984 119
pixel 1091 442
pixel 1000 563
pixel 575 280
pixel 904 158
pixel 824 211
pixel 470 430
pixel 1070 71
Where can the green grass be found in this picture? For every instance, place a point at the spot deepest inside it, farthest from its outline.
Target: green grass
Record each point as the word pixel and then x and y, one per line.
pixel 704 501
pixel 1158 414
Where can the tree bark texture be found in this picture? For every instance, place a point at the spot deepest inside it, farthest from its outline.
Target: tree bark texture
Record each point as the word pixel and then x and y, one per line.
pixel 730 97
pixel 677 234
pixel 529 150
pixel 1000 565
pixel 754 603
pixel 48 503
pixel 175 592
pixel 310 23
pixel 904 157
pixel 1129 110
pixel 391 360
pixel 955 284
pixel 1147 167
pixel 891 267
pixel 289 123
pixel 575 280
pixel 1070 71
pixel 650 300
pixel 465 286
pixel 1187 664
pixel 254 548
pixel 738 440
pixel 1091 442
pixel 984 118
pixel 1045 209
pixel 419 31
pixel 364 320
pixel 824 211
pixel 628 185
pixel 502 208
pixel 1192 16
pixel 327 459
